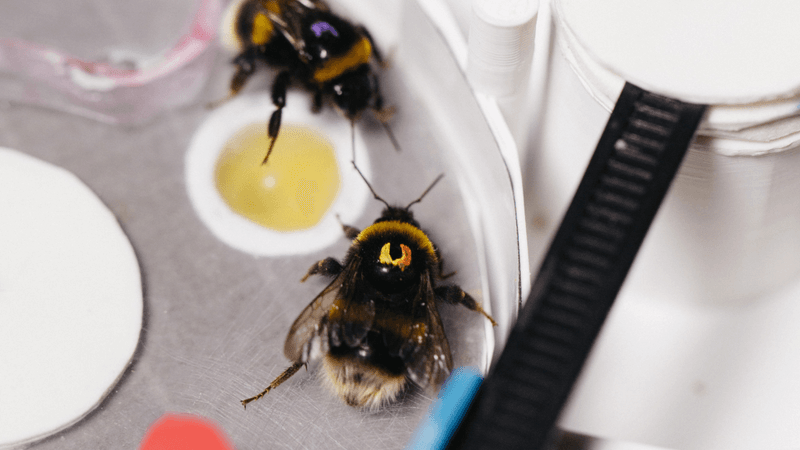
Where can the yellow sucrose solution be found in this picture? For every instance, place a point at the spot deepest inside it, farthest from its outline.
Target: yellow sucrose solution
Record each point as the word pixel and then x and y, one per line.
pixel 292 191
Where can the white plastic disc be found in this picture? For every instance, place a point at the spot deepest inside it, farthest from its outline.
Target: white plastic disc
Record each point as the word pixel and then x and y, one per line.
pixel 70 299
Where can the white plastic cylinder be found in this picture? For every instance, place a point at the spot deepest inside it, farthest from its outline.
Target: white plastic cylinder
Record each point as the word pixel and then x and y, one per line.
pixel 730 228
pixel 500 45
pixel 700 350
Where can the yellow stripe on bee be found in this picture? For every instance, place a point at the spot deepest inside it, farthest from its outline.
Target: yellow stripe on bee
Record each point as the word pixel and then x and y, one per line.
pixel 355 57
pixel 414 233
pixel 262 29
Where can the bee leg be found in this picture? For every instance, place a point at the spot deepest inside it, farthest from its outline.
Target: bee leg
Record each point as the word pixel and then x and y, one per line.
pixel 350 232
pixel 441 273
pixel 279 87
pixel 383 113
pixel 328 267
pixel 245 66
pixel 276 382
pixel 455 295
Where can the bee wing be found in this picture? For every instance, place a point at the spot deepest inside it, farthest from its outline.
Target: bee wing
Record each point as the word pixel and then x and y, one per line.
pixel 308 324
pixel 431 362
pixel 289 20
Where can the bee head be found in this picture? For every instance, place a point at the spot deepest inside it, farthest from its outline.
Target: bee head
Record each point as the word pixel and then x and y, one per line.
pixel 353 91
pixel 398 214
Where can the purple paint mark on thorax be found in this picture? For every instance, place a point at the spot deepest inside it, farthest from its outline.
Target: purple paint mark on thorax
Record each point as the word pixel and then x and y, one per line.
pixel 320 27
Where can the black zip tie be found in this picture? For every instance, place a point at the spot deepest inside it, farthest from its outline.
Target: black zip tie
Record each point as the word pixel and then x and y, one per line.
pixel 636 158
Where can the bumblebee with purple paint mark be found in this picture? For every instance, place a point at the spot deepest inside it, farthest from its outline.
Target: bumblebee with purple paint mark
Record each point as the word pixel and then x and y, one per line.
pixel 329 56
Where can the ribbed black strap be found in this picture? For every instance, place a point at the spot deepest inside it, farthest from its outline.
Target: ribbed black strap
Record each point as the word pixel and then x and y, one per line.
pixel 637 157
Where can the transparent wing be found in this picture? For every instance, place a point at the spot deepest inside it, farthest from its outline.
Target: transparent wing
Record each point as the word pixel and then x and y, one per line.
pixel 289 20
pixel 308 324
pixel 432 361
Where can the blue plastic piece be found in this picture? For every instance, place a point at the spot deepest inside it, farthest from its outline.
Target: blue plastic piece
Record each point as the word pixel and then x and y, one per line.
pixel 446 413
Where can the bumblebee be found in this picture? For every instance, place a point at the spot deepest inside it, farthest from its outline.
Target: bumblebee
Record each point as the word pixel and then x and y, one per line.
pixel 377 324
pixel 310 45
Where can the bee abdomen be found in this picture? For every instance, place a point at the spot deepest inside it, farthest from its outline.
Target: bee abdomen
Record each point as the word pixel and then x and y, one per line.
pixel 359 384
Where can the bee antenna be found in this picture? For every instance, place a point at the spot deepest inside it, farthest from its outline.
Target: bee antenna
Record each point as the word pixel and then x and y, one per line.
pixel 377 197
pixel 441 175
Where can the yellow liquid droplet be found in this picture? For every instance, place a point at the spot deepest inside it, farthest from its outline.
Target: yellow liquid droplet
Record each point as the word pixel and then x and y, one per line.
pixel 292 191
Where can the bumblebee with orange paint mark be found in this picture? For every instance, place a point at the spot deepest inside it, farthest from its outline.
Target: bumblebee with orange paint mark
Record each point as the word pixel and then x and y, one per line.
pixel 329 56
pixel 376 325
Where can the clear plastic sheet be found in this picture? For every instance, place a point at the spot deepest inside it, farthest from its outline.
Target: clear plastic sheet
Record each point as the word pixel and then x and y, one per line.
pixel 115 64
